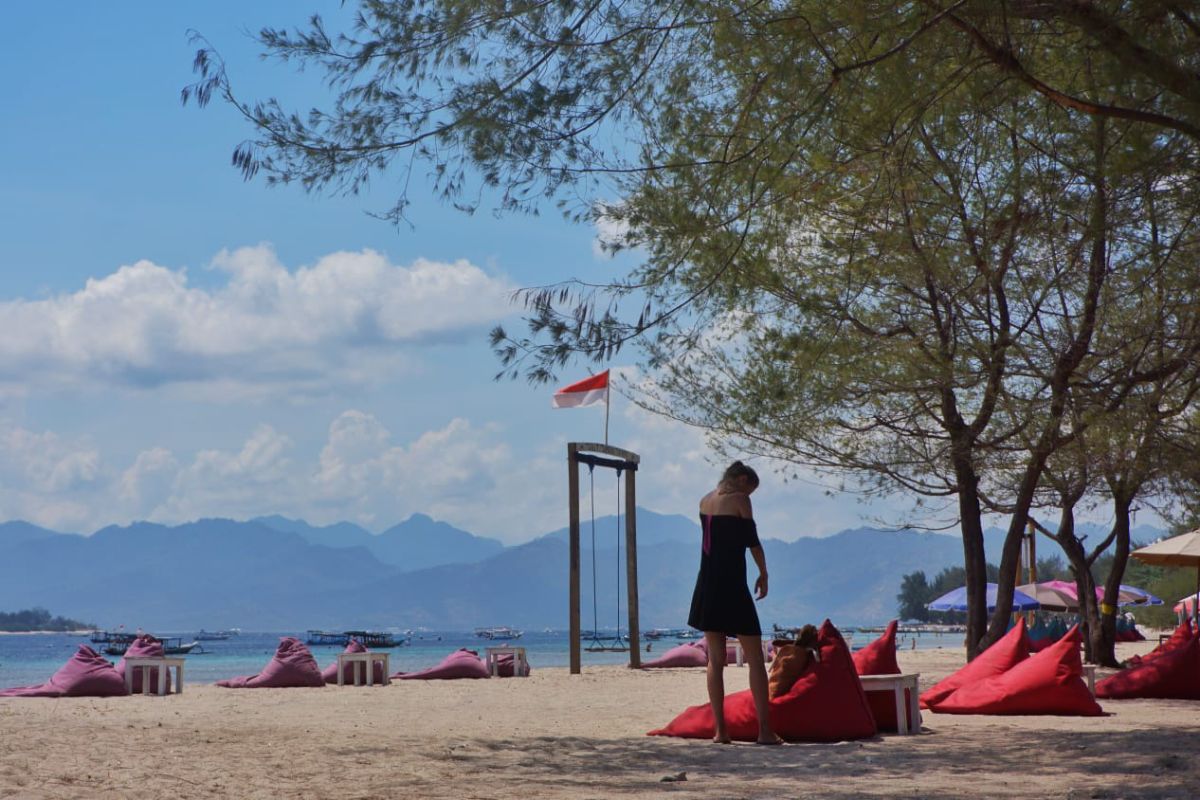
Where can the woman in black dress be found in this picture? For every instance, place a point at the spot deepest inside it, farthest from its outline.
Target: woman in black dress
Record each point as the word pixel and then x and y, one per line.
pixel 722 605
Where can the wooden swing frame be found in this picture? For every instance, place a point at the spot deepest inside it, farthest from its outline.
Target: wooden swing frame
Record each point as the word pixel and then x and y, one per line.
pixel 623 461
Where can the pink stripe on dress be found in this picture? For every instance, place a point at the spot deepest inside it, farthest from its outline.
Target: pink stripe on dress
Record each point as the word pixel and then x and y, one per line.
pixel 707 533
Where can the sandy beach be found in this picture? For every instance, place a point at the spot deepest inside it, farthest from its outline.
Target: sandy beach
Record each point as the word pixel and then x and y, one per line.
pixel 556 735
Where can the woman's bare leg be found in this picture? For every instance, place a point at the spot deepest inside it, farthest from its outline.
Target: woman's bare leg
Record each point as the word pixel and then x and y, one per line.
pixel 716 683
pixel 752 652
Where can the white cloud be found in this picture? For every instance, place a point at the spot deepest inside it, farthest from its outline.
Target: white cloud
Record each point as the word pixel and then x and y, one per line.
pixel 476 476
pixel 336 321
pixel 611 232
pixel 147 482
pixel 46 478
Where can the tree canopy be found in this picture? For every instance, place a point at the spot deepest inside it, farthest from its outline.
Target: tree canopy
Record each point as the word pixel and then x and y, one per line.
pixel 927 246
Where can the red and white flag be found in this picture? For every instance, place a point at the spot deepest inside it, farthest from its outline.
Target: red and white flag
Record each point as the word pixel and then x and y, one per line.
pixel 583 393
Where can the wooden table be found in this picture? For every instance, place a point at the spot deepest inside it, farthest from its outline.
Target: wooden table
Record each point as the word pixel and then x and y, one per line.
pixel 148 663
pixel 897 684
pixel 520 664
pixel 363 665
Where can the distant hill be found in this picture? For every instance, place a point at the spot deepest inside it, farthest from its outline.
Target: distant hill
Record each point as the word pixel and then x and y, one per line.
pixel 416 543
pixel 652 528
pixel 17 531
pixel 273 573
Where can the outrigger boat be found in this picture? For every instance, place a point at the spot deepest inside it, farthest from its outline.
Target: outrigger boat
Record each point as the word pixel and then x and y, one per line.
pixel 369 639
pixel 216 636
pixel 172 646
pixel 112 637
pixel 500 632
pixel 671 633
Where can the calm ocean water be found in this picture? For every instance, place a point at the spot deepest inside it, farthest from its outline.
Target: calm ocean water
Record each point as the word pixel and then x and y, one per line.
pixel 32 658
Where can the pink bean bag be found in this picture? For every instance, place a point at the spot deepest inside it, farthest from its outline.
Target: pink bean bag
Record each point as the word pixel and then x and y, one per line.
pixel 879 658
pixel 355 646
pixel 691 654
pixel 825 704
pixel 143 647
pixel 505 666
pixel 292 666
pixel 1009 650
pixel 86 674
pixel 1050 682
pixel 461 663
pixel 1174 675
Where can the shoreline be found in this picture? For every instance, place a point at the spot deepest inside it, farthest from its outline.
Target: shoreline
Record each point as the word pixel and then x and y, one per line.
pixel 555 735
pixel 81 632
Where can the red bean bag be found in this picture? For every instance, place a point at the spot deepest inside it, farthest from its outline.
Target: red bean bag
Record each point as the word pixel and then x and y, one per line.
pixel 292 666
pixel 1008 651
pixel 879 658
pixel 691 654
pixel 1038 645
pixel 461 663
pixel 143 647
pixel 1182 635
pixel 1174 675
pixel 355 646
pixel 86 674
pixel 1050 682
pixel 826 704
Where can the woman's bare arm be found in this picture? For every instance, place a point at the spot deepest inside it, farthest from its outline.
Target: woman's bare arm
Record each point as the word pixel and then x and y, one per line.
pixel 760 560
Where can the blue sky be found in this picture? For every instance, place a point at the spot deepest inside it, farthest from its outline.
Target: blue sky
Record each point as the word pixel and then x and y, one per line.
pixel 180 343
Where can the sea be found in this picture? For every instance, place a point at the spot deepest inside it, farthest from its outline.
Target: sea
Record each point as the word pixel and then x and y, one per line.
pixel 31 658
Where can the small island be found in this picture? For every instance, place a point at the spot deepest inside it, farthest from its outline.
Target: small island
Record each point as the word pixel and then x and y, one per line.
pixel 38 620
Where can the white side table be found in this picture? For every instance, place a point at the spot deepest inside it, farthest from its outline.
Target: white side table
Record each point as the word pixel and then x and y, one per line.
pixel 897 684
pixel 740 656
pixel 520 664
pixel 148 663
pixel 363 665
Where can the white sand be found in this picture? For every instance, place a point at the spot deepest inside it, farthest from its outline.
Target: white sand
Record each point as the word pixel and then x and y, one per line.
pixel 557 735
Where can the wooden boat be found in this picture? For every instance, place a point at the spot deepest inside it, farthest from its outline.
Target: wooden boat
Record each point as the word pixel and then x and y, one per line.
pixel 655 634
pixel 499 632
pixel 372 640
pixel 172 646
pixel 112 637
pixel 215 636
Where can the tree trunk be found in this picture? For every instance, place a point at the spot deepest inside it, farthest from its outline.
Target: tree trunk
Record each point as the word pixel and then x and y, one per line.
pixel 1105 639
pixel 974 558
pixel 1077 558
pixel 1089 614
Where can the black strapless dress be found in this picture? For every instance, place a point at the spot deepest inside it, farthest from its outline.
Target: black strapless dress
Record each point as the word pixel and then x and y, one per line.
pixel 722 601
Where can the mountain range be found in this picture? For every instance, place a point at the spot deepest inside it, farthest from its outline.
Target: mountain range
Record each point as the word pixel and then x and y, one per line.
pixel 275 573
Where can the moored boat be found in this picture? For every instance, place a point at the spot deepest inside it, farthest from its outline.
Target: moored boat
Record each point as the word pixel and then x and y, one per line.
pixel 498 632
pixel 215 636
pixel 112 637
pixel 670 633
pixel 172 646
pixel 369 639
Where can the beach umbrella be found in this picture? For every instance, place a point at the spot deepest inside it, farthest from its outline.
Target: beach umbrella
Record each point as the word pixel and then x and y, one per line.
pixel 1064 595
pixel 1052 595
pixel 1178 551
pixel 1139 597
pixel 957 600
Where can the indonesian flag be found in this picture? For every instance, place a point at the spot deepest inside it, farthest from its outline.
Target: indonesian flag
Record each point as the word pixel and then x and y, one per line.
pixel 583 393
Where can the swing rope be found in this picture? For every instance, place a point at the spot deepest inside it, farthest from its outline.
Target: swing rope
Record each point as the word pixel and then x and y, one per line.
pixel 596 644
pixel 617 643
pixel 595 607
